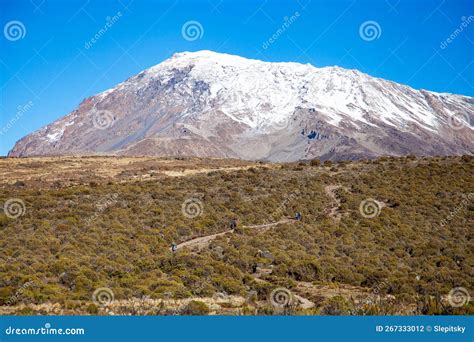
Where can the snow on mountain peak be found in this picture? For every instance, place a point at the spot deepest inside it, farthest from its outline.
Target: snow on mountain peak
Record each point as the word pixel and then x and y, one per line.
pixel 212 104
pixel 260 94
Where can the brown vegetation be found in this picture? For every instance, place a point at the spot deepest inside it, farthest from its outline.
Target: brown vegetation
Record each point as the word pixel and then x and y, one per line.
pixel 84 228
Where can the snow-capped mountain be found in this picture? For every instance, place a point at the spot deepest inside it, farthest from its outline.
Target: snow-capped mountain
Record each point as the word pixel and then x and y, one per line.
pixel 217 105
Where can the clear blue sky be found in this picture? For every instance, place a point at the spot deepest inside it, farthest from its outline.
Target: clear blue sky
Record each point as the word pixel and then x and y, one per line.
pixel 50 69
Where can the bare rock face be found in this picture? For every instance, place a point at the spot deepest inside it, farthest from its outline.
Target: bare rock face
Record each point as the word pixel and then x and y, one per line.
pixel 216 105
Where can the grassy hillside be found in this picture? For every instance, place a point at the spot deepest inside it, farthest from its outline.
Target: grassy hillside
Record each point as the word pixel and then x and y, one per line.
pixel 78 232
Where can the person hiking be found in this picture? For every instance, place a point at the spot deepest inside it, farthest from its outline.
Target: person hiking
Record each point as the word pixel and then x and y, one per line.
pixel 174 247
pixel 298 216
pixel 233 224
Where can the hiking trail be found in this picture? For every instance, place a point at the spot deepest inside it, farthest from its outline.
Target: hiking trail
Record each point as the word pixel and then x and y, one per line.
pixel 204 241
pixel 330 191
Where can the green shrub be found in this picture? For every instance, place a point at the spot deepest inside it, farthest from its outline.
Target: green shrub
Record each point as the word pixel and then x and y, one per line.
pixel 195 308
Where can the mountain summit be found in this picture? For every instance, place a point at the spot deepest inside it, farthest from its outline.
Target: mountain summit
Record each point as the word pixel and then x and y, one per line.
pixel 209 104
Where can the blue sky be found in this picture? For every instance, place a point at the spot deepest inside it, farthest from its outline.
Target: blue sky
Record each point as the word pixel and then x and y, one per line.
pixel 46 69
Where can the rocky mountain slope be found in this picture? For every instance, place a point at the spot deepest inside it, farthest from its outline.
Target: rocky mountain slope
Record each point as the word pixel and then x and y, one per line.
pixel 208 104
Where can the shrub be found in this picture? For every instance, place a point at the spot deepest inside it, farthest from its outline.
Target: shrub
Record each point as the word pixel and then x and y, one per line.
pixel 195 308
pixel 327 163
pixel 336 306
pixel 92 309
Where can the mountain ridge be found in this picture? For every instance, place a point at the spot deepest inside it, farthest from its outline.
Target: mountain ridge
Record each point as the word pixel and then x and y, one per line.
pixel 208 104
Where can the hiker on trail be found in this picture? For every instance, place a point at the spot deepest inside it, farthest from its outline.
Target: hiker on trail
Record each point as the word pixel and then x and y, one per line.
pixel 174 247
pixel 233 224
pixel 298 216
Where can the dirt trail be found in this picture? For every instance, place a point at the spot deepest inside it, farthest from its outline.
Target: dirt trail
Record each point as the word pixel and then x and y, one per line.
pixel 330 190
pixel 257 226
pixel 190 172
pixel 201 242
pixel 204 241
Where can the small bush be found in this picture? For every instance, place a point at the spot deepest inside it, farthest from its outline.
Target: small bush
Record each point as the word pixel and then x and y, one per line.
pixel 336 306
pixel 92 309
pixel 196 308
